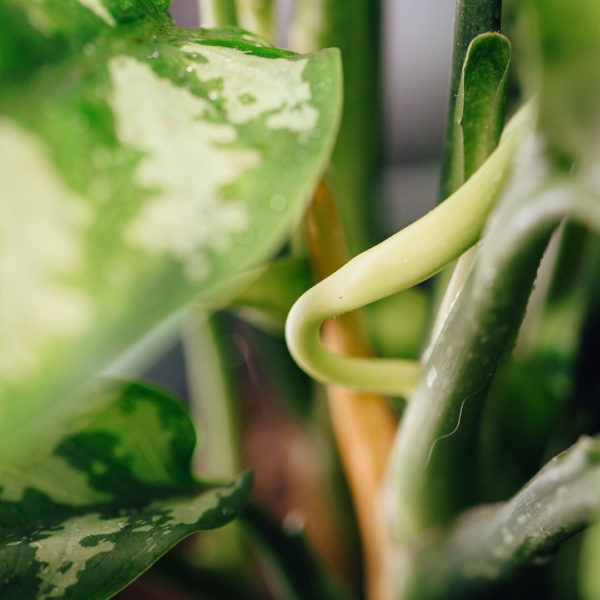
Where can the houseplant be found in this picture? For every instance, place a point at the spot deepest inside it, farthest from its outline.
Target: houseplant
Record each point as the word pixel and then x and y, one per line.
pixel 146 167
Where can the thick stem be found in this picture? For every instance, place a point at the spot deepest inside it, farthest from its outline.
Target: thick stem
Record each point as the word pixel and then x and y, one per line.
pixel 476 126
pixel 489 543
pixel 431 467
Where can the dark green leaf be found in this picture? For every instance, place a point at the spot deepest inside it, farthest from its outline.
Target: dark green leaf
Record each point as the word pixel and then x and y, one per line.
pixel 90 513
pixel 480 102
pixel 472 18
pixel 561 65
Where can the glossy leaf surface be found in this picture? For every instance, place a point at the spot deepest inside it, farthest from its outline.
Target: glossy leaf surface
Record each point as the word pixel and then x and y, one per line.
pixel 153 164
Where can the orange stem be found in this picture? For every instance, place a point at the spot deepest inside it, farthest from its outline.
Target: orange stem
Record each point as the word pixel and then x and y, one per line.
pixel 363 424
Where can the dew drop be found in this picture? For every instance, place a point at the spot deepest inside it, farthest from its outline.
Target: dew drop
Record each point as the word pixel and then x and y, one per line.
pixel 278 202
pixel 189 69
pixel 431 376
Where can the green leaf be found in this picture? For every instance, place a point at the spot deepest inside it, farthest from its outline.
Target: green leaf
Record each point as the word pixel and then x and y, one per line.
pixel 480 103
pixel 157 164
pixel 561 54
pixel 473 17
pixel 36 33
pixel 267 301
pixel 89 514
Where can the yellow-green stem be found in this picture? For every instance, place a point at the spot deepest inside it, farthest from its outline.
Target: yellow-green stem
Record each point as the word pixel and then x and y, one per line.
pixel 403 260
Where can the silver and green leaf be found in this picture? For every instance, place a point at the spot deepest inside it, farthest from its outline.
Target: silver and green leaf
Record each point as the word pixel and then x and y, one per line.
pixel 83 518
pixel 143 166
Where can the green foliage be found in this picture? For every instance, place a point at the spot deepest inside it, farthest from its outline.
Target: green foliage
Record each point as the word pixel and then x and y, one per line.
pixel 166 163
pixel 145 168
pixel 82 518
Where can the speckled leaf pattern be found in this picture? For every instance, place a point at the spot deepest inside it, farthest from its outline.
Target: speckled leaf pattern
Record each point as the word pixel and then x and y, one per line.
pixel 138 168
pixel 90 514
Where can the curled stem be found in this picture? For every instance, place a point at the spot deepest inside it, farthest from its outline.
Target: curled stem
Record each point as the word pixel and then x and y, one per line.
pixel 403 260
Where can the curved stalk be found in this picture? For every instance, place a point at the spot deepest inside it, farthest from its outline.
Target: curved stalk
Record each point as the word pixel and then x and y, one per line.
pixel 403 260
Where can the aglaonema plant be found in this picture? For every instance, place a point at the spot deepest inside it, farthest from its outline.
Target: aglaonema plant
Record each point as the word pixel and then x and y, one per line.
pixel 152 174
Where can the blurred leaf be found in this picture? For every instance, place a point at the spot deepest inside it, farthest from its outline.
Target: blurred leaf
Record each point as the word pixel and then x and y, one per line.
pixel 397 324
pixel 217 13
pixel 156 164
pixel 302 575
pixel 590 559
pixel 36 33
pixel 268 299
pixel 257 16
pixel 85 517
pixel 560 64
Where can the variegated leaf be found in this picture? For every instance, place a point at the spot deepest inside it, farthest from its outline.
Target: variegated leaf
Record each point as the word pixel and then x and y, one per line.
pixel 151 165
pixel 87 516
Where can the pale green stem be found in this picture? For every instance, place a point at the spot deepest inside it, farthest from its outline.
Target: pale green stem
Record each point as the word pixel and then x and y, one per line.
pixel 217 13
pixel 403 260
pixel 257 16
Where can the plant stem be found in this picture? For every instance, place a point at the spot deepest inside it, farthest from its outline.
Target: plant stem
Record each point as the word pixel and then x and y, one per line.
pixel 217 13
pixel 353 27
pixel 431 470
pixel 475 126
pixel 488 544
pixel 403 260
pixel 363 424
